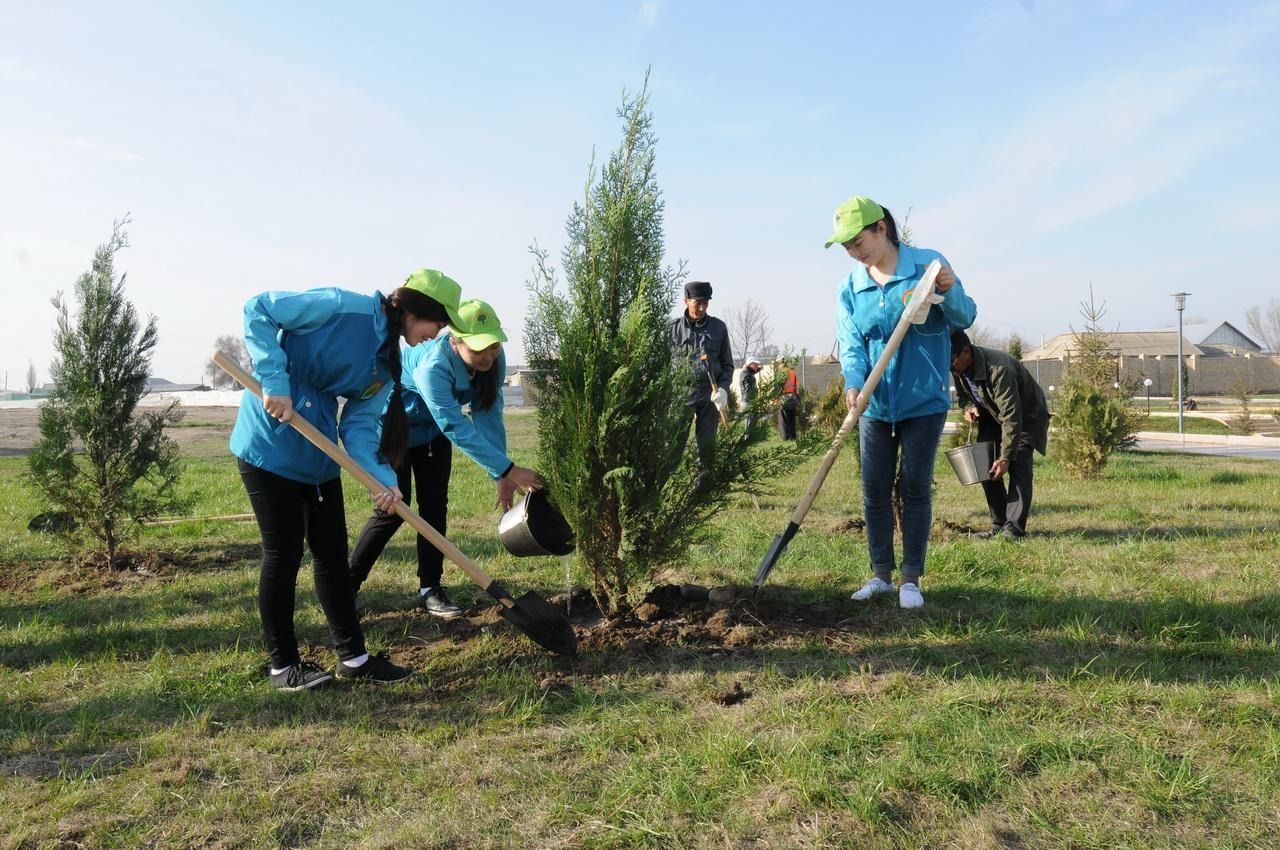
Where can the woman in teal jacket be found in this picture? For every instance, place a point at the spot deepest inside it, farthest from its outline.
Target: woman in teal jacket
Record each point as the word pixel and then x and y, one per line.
pixel 309 349
pixel 900 428
pixel 462 367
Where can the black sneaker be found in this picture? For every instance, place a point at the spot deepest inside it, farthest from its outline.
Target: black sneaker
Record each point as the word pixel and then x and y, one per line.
pixel 994 531
pixel 300 677
pixel 437 604
pixel 378 669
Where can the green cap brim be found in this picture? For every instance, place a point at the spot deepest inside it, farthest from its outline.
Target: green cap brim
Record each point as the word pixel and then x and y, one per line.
pixel 842 236
pixel 479 342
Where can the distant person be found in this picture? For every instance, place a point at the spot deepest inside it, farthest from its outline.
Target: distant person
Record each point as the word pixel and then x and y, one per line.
pixel 453 387
pixel 789 405
pixel 747 382
pixel 704 340
pixel 310 349
pixel 902 423
pixel 999 395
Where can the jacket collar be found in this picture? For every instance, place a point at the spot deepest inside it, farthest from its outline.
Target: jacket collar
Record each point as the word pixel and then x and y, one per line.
pixel 978 369
pixel 461 372
pixel 906 269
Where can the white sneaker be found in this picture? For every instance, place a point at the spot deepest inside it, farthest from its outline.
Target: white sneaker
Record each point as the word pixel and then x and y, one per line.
pixel 874 587
pixel 909 596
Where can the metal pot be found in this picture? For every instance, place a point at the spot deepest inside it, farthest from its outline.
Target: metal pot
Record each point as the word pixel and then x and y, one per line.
pixel 534 527
pixel 972 462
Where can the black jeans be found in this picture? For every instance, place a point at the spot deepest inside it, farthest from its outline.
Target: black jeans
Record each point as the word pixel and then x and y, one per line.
pixel 1010 506
pixel 430 465
pixel 787 417
pixel 288 513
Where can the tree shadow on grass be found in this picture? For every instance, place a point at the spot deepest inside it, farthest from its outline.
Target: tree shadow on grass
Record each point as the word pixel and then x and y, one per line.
pixel 1157 532
pixel 482 668
pixel 993 633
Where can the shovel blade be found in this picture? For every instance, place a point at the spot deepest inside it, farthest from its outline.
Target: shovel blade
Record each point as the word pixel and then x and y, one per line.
pixel 771 557
pixel 541 622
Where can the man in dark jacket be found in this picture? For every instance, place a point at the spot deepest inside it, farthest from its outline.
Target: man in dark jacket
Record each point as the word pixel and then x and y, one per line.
pixel 705 341
pixel 997 392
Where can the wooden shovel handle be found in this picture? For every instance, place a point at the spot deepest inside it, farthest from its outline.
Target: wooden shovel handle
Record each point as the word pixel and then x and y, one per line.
pixel 340 457
pixel 178 520
pixel 723 419
pixel 864 396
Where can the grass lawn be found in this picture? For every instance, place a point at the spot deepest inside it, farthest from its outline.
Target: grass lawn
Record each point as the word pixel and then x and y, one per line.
pixel 1109 682
pixel 1190 425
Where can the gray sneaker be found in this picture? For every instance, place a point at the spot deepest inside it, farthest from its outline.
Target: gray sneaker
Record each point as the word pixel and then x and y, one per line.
pixel 437 604
pixel 300 677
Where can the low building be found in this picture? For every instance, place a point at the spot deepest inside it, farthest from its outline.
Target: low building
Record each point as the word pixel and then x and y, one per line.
pixel 1217 355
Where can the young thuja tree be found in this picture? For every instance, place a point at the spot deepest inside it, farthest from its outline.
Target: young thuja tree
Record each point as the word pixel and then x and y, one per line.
pixel 1242 423
pixel 128 470
pixel 613 420
pixel 1090 417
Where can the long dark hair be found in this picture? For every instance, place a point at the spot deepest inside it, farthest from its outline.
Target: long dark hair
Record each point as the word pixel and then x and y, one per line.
pixel 890 227
pixel 395 424
pixel 486 384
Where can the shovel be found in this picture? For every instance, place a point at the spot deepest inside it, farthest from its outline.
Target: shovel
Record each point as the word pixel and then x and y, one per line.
pixel 923 290
pixel 712 381
pixel 531 614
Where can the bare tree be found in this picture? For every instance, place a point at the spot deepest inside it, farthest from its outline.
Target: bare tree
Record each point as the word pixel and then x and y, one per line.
pixel 748 329
pixel 980 334
pixel 232 347
pixel 31 377
pixel 1264 323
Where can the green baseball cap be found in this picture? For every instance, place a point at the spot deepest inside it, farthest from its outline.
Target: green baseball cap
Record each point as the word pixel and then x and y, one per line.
pixel 478 325
pixel 437 285
pixel 853 215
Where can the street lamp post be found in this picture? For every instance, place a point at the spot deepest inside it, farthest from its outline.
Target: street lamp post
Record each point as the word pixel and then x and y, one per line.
pixel 1051 389
pixel 1146 382
pixel 1180 303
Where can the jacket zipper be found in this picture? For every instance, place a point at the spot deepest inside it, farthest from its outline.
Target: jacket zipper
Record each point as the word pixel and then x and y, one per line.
pixel 893 406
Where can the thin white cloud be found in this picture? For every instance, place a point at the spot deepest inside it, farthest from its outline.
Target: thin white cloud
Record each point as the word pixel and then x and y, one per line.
pixel 648 15
pixel 13 70
pixel 84 147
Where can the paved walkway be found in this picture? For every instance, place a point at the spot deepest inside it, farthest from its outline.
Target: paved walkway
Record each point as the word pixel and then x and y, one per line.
pixel 1209 449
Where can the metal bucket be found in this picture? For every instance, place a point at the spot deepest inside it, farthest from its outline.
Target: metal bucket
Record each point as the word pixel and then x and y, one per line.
pixel 972 462
pixel 535 527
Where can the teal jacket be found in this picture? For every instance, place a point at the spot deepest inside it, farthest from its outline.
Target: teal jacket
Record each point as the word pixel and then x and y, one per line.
pixel 316 347
pixel 437 384
pixel 918 379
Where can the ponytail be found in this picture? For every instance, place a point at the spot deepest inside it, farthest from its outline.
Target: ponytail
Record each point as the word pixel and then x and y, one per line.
pixel 890 227
pixel 395 423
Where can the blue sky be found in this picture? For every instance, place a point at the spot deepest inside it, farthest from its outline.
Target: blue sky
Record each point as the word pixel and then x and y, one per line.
pixel 1041 146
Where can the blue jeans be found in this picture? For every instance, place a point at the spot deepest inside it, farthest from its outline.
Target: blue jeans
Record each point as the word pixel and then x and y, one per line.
pixel 880 443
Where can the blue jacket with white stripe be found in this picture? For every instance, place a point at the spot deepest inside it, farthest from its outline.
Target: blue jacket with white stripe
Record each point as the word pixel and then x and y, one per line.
pixel 316 346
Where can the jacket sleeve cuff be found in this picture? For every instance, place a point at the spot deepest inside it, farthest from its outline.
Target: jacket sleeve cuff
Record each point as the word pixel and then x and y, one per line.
pixel 507 471
pixel 276 385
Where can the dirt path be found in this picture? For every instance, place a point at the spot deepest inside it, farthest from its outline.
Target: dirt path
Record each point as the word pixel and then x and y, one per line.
pixel 204 430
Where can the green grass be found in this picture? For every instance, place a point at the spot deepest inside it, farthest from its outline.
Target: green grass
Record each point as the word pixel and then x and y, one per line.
pixel 1108 682
pixel 1190 425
